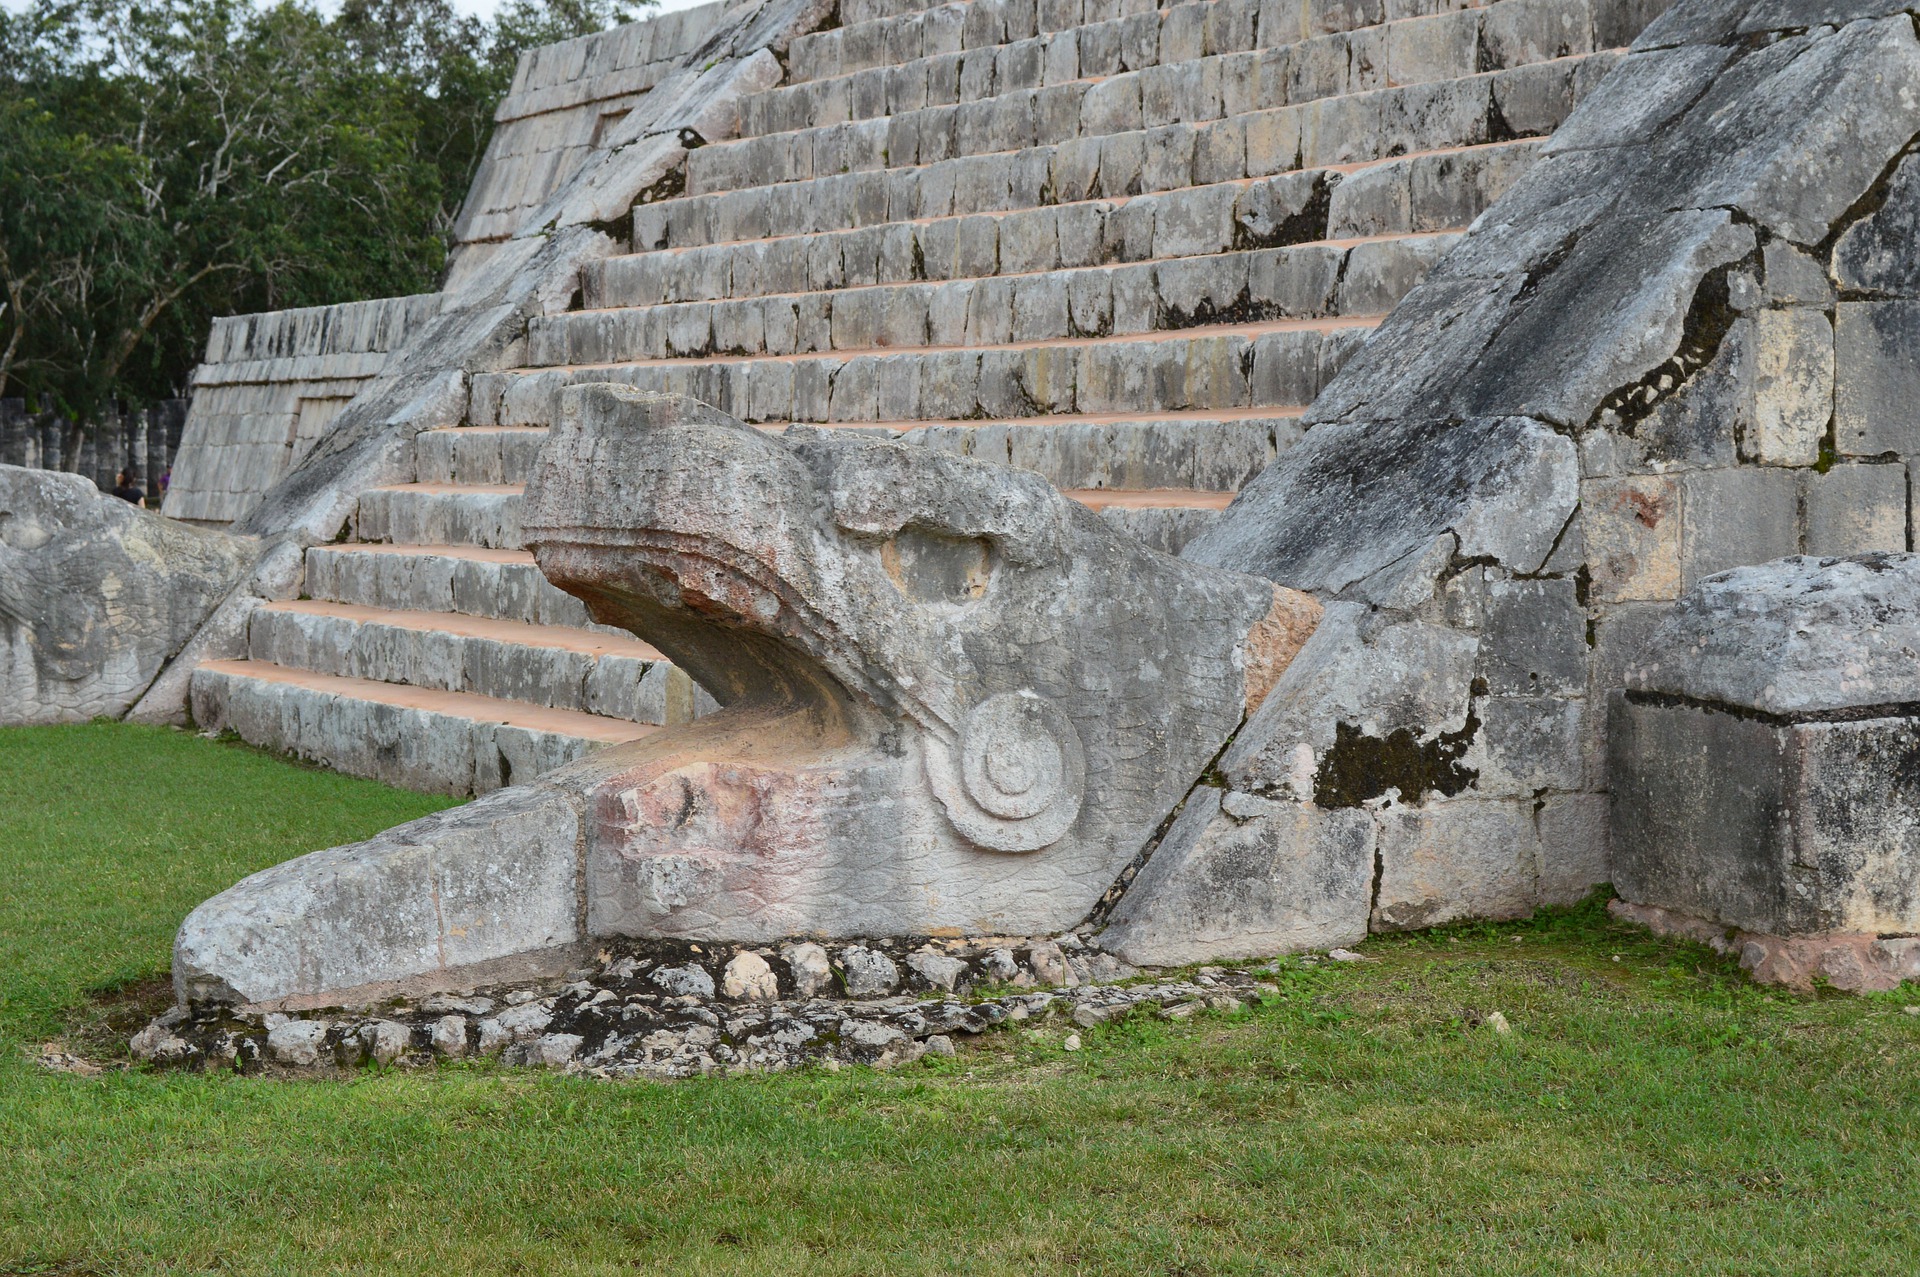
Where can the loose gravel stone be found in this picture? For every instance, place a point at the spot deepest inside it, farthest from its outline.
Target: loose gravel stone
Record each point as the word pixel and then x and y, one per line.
pixel 812 971
pixel 626 1021
pixel 450 1036
pixel 868 973
pixel 748 978
pixel 297 1042
pixel 689 981
pixel 384 1041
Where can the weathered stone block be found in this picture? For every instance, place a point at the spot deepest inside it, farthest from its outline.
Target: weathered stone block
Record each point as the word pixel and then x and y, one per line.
pixel 488 887
pixel 1358 715
pixel 1856 509
pixel 1633 536
pixel 1731 518
pixel 1245 878
pixel 1528 744
pixel 1457 858
pixel 1792 385
pixel 1533 639
pixel 1876 378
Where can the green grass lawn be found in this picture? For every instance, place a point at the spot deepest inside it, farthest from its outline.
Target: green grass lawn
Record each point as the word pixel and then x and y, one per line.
pixel 1649 1113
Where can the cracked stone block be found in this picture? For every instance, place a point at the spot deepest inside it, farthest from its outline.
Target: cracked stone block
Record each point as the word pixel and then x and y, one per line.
pixel 1358 715
pixel 1245 878
pixel 1764 752
pixel 1856 509
pixel 1875 254
pixel 1796 277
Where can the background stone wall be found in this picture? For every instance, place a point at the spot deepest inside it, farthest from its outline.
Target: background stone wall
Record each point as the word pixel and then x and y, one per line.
pixel 270 386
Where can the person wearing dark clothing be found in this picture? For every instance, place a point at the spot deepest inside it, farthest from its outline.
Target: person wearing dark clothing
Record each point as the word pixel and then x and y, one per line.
pixel 125 489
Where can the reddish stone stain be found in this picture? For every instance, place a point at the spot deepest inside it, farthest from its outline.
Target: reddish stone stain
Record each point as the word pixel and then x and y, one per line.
pixel 1648 509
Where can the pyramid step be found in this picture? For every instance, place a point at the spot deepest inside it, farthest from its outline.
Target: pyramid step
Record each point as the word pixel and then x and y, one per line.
pixel 1284 210
pixel 877 34
pixel 465 579
pixel 1438 188
pixel 554 667
pixel 438 741
pixel 407 505
pixel 1146 63
pixel 1011 143
pixel 484 515
pixel 1209 451
pixel 476 454
pixel 1307 281
pixel 1209 368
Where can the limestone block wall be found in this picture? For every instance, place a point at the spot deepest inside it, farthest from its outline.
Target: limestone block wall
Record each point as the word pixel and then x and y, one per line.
pixel 1682 343
pixel 270 386
pixel 565 100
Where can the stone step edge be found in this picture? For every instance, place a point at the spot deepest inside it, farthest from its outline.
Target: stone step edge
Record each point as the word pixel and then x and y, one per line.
pixel 599 265
pixel 901 16
pixel 475 553
pixel 461 625
pixel 1092 498
pixel 1090 80
pixel 1199 332
pixel 463 705
pixel 1183 416
pixel 1335 244
pixel 977 155
pixel 1348 168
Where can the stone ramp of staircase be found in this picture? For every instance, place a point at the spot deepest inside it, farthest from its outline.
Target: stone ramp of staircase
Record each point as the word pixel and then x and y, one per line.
pixel 1120 244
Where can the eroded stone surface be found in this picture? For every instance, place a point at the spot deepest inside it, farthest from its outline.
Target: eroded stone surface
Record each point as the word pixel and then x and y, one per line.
pixel 96 595
pixel 1797 636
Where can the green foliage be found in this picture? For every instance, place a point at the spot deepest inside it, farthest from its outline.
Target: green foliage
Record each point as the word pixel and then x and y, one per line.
pixel 1649 1112
pixel 163 162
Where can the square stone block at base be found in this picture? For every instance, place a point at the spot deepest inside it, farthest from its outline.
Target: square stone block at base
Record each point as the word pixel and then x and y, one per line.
pixel 1766 824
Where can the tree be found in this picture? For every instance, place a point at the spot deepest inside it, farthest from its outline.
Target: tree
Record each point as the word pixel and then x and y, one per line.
pixel 164 162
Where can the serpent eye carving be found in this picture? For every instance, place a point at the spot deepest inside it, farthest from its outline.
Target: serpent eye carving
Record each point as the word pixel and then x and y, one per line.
pixel 1019 776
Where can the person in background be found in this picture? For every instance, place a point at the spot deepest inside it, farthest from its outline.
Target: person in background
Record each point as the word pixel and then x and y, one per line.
pixel 125 489
pixel 166 477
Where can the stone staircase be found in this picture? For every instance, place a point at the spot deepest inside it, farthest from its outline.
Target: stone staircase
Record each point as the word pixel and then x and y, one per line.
pixel 1119 245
